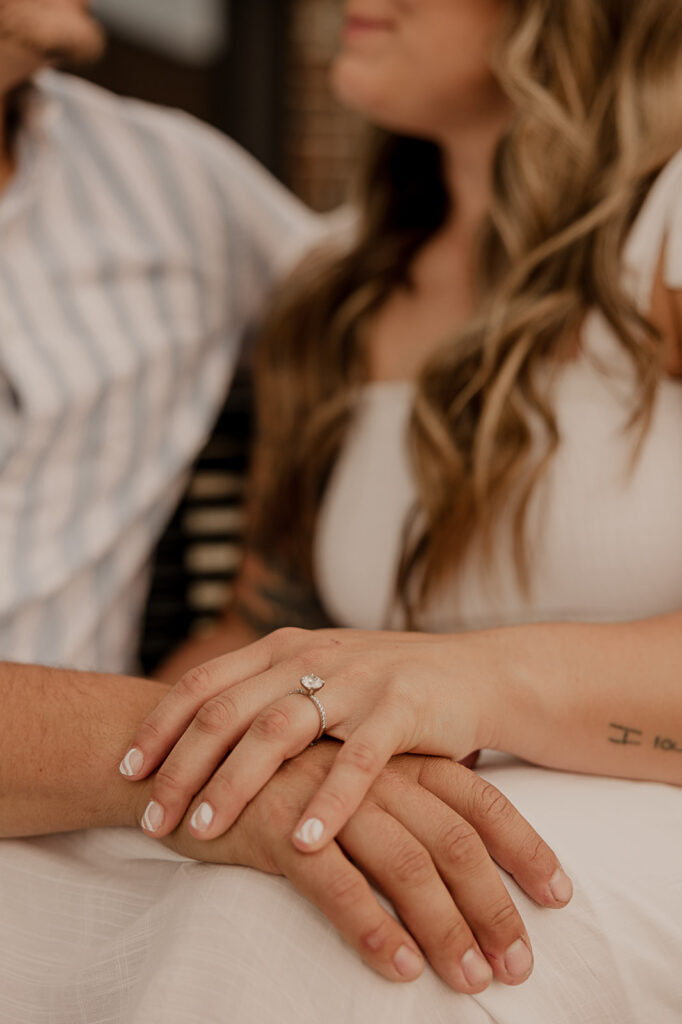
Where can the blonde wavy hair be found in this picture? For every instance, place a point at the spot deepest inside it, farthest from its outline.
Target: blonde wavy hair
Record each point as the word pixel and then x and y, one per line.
pixel 597 92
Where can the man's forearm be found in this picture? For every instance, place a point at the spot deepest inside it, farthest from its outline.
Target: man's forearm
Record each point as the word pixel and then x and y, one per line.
pixel 62 735
pixel 603 699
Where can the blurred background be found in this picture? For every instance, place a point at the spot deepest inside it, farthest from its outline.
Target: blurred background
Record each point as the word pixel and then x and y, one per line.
pixel 257 69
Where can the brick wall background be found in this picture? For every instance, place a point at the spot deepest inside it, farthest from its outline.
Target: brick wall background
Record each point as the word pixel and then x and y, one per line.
pixel 320 137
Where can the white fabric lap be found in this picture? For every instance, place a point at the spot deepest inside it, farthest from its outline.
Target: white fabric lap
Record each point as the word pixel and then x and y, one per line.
pixel 109 927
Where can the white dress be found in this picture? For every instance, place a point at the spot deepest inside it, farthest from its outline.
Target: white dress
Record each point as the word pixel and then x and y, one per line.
pixel 107 927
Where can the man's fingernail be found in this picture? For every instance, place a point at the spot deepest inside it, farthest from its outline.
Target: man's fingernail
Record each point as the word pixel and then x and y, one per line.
pixel 407 962
pixel 152 819
pixel 560 886
pixel 311 831
pixel 202 817
pixel 518 959
pixel 477 970
pixel 132 762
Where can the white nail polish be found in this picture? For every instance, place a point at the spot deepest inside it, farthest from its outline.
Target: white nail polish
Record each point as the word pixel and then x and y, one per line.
pixel 310 831
pixel 202 817
pixel 152 819
pixel 132 762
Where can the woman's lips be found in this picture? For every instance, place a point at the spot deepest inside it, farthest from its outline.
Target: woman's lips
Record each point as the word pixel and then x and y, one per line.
pixel 356 25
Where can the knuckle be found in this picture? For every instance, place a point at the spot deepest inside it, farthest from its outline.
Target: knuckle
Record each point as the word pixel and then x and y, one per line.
pixel 504 917
pixel 379 937
pixel 287 636
pixel 491 806
pixel 459 845
pixel 535 853
pixel 168 784
pixel 393 774
pixel 347 889
pixel 435 772
pixel 455 937
pixel 221 788
pixel 271 724
pixel 396 699
pixel 411 864
pixel 307 657
pixel 336 803
pixel 216 715
pixel 360 756
pixel 194 683
pixel 148 731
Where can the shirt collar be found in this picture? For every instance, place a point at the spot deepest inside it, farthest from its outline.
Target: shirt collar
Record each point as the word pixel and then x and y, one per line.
pixel 39 113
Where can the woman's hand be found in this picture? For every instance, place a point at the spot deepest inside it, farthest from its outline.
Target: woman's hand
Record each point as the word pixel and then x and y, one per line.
pixel 425 835
pixel 385 693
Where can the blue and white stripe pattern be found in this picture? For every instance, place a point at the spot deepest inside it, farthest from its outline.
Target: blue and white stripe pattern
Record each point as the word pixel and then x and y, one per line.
pixel 135 247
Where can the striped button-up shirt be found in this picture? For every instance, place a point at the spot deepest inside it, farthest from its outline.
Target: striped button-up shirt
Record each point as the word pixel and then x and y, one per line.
pixel 135 246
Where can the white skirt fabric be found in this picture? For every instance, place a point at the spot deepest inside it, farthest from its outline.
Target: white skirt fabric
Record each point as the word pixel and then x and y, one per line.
pixel 109 927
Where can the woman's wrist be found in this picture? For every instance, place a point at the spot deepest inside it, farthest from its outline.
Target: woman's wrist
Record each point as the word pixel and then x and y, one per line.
pixel 513 698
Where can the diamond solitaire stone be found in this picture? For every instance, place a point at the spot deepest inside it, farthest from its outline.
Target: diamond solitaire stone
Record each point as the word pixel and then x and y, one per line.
pixel 311 682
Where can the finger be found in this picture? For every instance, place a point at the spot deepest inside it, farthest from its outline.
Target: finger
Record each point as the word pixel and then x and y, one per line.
pixel 168 721
pixel 357 765
pixel 329 881
pixel 470 876
pixel 509 837
pixel 404 871
pixel 279 732
pixel 213 732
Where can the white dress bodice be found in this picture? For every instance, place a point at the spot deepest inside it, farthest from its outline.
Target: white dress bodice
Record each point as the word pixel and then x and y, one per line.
pixel 605 545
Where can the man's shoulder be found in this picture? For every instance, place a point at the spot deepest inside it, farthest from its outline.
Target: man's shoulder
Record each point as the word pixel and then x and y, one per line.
pixel 182 141
pixel 185 159
pixel 76 96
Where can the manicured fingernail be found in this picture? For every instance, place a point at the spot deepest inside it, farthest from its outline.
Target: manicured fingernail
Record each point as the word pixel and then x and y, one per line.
pixel 311 831
pixel 407 962
pixel 477 970
pixel 152 819
pixel 202 817
pixel 518 959
pixel 560 886
pixel 132 762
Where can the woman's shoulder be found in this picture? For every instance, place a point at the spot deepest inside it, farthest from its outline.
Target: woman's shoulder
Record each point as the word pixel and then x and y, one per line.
pixel 666 293
pixel 653 253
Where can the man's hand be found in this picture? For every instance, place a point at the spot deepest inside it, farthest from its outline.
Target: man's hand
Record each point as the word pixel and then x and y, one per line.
pixel 425 836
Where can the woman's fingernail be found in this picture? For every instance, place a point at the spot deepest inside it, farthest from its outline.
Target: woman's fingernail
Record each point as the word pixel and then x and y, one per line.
pixel 311 831
pixel 407 962
pixel 152 819
pixel 202 817
pixel 132 762
pixel 476 968
pixel 560 886
pixel 518 960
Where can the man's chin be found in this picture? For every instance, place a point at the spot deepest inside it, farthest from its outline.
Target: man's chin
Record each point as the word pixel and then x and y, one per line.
pixel 49 33
pixel 82 46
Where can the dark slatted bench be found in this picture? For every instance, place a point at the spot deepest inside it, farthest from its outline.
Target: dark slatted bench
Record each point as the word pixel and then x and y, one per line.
pixel 196 559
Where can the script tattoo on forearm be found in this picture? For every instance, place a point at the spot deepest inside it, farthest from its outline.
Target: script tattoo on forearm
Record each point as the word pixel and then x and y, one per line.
pixel 625 733
pixel 666 744
pixel 627 736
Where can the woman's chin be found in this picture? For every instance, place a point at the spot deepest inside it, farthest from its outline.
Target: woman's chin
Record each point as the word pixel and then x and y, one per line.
pixel 359 88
